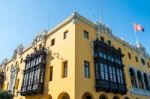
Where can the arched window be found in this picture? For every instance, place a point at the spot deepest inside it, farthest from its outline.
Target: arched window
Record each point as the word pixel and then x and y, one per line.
pixel 64 95
pixel 116 97
pixel 146 82
pixel 103 97
pixel 140 80
pixel 87 95
pixel 133 78
pixel 126 98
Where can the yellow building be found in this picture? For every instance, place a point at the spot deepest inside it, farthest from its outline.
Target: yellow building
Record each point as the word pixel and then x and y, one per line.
pixel 78 59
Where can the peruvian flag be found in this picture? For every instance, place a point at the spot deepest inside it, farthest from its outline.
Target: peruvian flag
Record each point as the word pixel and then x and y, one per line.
pixel 138 27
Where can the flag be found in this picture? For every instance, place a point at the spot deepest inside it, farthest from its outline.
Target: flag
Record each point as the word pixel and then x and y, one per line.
pixel 138 27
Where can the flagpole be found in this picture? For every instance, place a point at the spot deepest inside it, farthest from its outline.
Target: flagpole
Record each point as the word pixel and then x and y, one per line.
pixel 136 38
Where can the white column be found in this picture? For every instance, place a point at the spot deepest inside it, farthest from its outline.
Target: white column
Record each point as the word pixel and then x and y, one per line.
pixel 142 76
pixel 137 81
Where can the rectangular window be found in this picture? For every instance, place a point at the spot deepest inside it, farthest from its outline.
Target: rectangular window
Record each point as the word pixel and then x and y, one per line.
pixel 65 34
pixel 143 61
pixel 51 73
pixel 86 34
pixel 86 69
pixel 64 69
pixel 129 55
pixel 136 59
pixel 52 42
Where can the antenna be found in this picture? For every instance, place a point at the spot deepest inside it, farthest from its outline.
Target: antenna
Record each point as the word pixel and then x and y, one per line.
pixel 100 10
pixel 49 19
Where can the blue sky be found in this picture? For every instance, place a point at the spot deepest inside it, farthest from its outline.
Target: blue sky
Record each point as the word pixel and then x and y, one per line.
pixel 21 20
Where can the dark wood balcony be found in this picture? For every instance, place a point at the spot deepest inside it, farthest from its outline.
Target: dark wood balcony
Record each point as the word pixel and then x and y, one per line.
pixel 33 82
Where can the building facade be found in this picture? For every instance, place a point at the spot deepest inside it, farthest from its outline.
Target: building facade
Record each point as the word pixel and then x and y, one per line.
pixel 78 59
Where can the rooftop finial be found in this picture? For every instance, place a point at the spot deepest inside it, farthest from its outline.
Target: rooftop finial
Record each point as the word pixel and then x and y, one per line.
pixel 74 12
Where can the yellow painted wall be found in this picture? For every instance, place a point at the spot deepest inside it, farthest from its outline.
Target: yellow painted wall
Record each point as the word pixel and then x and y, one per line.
pixel 63 50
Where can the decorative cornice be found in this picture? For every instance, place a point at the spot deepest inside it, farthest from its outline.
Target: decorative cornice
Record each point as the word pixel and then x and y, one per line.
pixel 18 50
pixel 139 50
pixel 40 37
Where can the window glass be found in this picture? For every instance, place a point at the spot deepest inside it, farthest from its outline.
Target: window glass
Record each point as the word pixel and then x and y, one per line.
pixel 111 73
pixel 42 76
pixel 129 55
pixel 87 69
pixel 40 59
pixel 65 34
pixel 104 55
pixel 52 42
pixel 118 76
pixel 112 59
pixel 102 71
pixel 100 53
pixel 106 71
pixel 97 70
pixel 114 74
pixel 64 69
pixel 121 76
pixel 143 61
pixel 51 73
pixel 86 34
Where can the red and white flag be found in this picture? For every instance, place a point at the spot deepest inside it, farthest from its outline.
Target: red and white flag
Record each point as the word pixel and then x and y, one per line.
pixel 138 27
